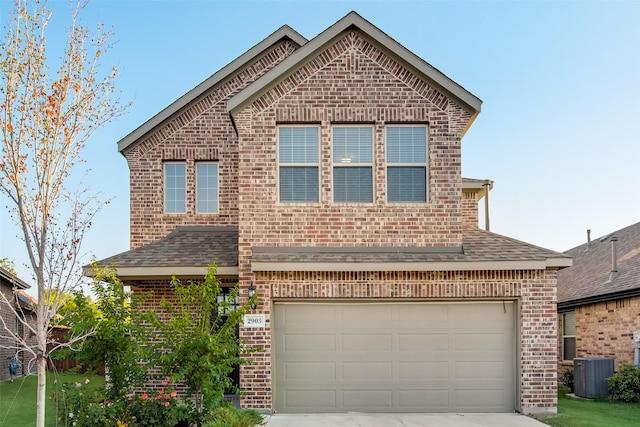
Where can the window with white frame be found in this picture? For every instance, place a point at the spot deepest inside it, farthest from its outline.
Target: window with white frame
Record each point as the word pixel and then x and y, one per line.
pixel 298 160
pixel 175 187
pixel 206 187
pixel 406 164
pixel 353 164
pixel 569 335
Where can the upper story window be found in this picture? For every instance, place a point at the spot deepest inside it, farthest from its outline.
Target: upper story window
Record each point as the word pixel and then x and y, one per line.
pixel 353 164
pixel 175 187
pixel 298 160
pixel 407 164
pixel 569 335
pixel 207 188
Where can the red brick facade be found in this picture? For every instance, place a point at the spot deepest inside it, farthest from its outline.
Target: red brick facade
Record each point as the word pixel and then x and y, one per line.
pixel 604 330
pixel 352 80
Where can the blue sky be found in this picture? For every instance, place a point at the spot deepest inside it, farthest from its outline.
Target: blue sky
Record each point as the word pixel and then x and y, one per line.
pixel 559 81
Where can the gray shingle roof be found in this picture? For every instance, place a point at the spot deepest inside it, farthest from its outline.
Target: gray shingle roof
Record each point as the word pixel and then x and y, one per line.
pixel 478 246
pixel 592 265
pixel 185 246
pixel 198 246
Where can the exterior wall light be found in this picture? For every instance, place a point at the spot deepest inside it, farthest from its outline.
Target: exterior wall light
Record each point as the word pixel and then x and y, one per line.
pixel 251 292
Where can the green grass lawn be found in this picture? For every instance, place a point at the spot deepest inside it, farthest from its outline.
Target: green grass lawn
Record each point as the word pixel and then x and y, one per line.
pixel 18 398
pixel 576 412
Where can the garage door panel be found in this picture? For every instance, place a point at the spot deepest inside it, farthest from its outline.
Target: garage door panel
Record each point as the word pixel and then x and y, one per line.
pixel 302 399
pixel 298 316
pixel 366 398
pixel 411 400
pixel 311 370
pixel 309 342
pixel 423 342
pixel 367 371
pixel 423 370
pixel 479 342
pixel 480 370
pixel 359 315
pixel 415 314
pixel 387 358
pixel 480 400
pixel 367 342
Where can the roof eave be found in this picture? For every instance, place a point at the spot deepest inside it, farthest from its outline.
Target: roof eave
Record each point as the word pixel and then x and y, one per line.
pixel 284 32
pixel 468 100
pixel 148 273
pixel 594 299
pixel 412 266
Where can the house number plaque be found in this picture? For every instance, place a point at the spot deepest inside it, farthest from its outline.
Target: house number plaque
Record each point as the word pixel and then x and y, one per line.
pixel 254 321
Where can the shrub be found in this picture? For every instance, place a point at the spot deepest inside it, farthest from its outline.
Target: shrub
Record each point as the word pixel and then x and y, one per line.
pixel 81 406
pixel 158 410
pixel 228 416
pixel 567 379
pixel 625 384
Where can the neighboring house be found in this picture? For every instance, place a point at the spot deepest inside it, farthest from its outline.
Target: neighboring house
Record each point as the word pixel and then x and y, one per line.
pixel 326 173
pixel 599 299
pixel 18 305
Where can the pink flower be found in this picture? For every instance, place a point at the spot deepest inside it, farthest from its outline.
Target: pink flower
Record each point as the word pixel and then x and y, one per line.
pixel 144 396
pixel 174 394
pixel 86 381
pixel 78 385
pixel 167 397
pixel 164 383
pixel 166 403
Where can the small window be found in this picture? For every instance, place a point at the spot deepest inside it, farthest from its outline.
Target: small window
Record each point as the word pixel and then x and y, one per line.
pixel 298 154
pixel 207 188
pixel 353 164
pixel 407 164
pixel 175 188
pixel 569 335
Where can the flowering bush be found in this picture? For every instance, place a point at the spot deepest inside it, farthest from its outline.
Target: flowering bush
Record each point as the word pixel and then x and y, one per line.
pixel 159 410
pixel 81 407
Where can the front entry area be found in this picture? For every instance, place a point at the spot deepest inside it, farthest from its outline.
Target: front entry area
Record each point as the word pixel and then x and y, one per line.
pixel 394 357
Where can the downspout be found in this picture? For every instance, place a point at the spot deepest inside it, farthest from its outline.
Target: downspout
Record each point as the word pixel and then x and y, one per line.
pixel 486 185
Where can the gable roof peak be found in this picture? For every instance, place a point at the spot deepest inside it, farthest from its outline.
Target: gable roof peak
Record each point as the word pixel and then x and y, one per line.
pixel 438 79
pixel 282 33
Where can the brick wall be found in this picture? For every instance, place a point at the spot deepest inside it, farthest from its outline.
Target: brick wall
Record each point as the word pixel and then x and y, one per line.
pixel 604 330
pixel 470 208
pixel 534 290
pixel 202 132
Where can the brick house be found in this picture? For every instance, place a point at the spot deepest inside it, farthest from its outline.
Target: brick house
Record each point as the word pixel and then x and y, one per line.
pixel 19 303
pixel 326 174
pixel 599 299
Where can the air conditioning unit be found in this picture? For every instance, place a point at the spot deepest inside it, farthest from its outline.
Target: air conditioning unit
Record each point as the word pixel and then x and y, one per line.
pixel 590 376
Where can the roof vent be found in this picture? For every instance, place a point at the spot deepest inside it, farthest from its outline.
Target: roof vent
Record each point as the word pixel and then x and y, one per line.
pixel 588 240
pixel 614 259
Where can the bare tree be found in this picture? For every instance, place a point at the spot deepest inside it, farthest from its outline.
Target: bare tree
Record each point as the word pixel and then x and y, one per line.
pixel 47 114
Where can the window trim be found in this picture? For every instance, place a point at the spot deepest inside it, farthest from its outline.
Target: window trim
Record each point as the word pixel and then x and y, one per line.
pixel 217 209
pixel 166 188
pixel 565 337
pixel 370 165
pixel 316 165
pixel 424 164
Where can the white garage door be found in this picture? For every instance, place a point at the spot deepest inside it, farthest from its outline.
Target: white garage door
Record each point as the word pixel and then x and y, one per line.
pixel 394 357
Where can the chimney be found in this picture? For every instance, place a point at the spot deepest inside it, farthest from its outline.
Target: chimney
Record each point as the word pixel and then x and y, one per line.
pixel 614 259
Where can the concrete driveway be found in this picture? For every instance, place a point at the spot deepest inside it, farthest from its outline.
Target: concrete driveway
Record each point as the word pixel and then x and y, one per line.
pixel 401 420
